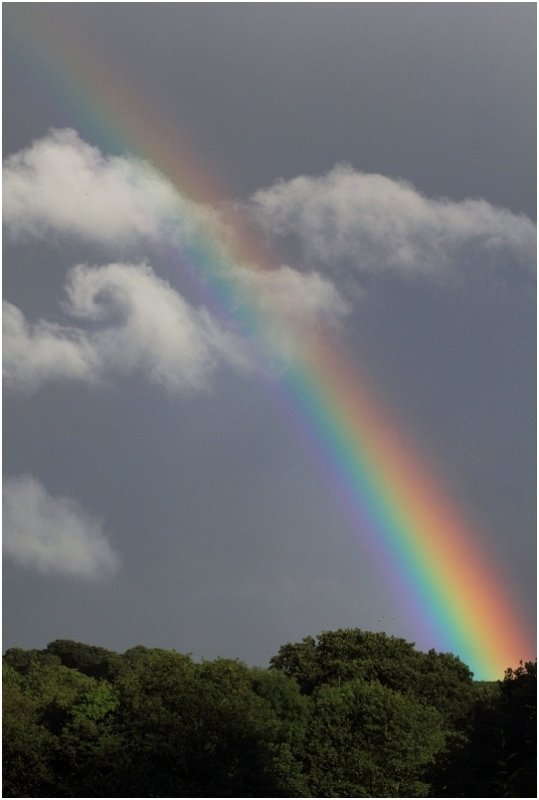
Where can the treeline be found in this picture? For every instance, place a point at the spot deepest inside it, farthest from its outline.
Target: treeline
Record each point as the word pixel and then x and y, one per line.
pixel 348 714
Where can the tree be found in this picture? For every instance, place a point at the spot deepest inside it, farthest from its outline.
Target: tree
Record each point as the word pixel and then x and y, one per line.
pixel 366 740
pixel 519 721
pixel 28 747
pixel 434 680
pixel 56 727
pixel 93 661
pixel 211 729
pixel 22 661
pixel 497 758
pixel 348 713
pixel 258 730
pixel 335 657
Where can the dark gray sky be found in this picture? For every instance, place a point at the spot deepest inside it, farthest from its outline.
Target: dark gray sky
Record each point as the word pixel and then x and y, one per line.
pixel 177 506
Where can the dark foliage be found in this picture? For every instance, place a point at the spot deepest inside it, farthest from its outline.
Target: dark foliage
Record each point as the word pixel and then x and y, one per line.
pixel 497 757
pixel 88 659
pixel 346 714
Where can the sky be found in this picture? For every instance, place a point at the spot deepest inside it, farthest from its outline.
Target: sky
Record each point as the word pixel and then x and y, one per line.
pixel 194 195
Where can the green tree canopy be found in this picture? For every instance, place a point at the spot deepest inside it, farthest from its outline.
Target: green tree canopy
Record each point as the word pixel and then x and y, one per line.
pixel 367 740
pixel 348 713
pixel 335 657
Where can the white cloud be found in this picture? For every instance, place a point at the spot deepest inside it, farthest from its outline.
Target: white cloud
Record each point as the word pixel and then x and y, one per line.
pixel 44 351
pixel 301 300
pixel 134 322
pixel 63 184
pixel 131 321
pixel 53 534
pixel 374 223
pixel 290 307
pixel 148 326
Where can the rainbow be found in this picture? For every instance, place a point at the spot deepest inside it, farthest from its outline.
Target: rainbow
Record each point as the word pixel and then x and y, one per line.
pixel 428 553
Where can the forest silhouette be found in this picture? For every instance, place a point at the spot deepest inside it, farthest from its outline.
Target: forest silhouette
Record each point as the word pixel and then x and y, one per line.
pixel 345 714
